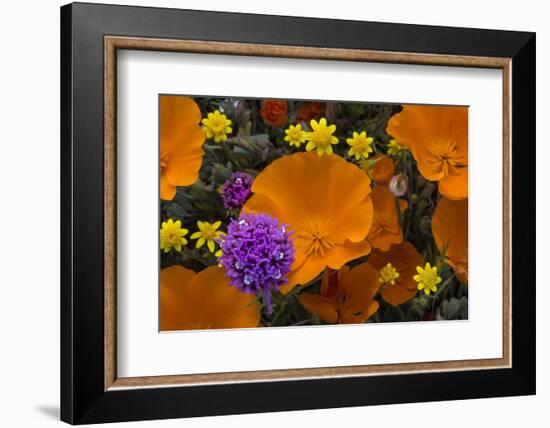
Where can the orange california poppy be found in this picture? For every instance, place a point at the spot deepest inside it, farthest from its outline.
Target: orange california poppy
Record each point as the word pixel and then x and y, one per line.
pixel 382 170
pixel 192 301
pixel 450 230
pixel 438 140
pixel 325 201
pixel 385 229
pixel 181 140
pixel 346 297
pixel 396 269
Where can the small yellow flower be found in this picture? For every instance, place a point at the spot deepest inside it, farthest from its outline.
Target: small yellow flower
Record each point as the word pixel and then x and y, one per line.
pixel 361 145
pixel 395 148
pixel 295 135
pixel 217 126
pixel 321 138
pixel 427 278
pixel 388 274
pixel 207 233
pixel 172 235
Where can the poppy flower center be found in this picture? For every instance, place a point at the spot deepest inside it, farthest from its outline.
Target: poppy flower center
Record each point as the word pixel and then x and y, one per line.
pixel 380 223
pixel 446 158
pixel 315 233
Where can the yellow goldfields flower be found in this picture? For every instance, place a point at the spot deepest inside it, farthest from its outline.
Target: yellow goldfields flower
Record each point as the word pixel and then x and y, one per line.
pixel 172 235
pixel 395 148
pixel 361 145
pixel 217 126
pixel 321 138
pixel 427 278
pixel 388 274
pixel 208 234
pixel 295 135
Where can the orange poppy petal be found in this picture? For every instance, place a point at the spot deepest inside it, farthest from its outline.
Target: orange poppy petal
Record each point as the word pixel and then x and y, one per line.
pixel 459 129
pixel 373 307
pixel 167 190
pixel 360 285
pixel 203 300
pixel 220 305
pixel 296 182
pixel 450 230
pixel 385 240
pixel 356 223
pixel 174 302
pixel 181 140
pixel 177 112
pixel 186 158
pixel 386 229
pixel 303 273
pixel 396 294
pixel 320 306
pixel 383 169
pixel 261 203
pixel 455 186
pixel 341 254
pixel 428 170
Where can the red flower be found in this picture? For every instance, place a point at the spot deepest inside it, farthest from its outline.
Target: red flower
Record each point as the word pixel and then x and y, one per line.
pixel 310 111
pixel 275 112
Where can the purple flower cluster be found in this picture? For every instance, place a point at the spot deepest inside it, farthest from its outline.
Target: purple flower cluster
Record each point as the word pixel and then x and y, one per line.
pixel 236 190
pixel 257 253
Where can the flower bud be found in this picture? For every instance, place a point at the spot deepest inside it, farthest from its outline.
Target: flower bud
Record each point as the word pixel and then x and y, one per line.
pixel 398 185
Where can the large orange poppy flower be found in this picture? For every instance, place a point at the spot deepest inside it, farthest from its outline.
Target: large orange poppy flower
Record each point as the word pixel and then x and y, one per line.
pixel 181 140
pixel 385 229
pixel 204 300
pixel 450 230
pixel 396 269
pixel 346 297
pixel 325 201
pixel 438 140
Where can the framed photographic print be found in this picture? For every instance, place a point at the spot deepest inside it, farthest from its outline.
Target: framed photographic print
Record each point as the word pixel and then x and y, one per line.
pixel 266 213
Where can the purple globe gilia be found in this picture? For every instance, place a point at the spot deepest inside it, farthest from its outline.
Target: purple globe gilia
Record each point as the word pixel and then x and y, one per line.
pixel 236 190
pixel 257 253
